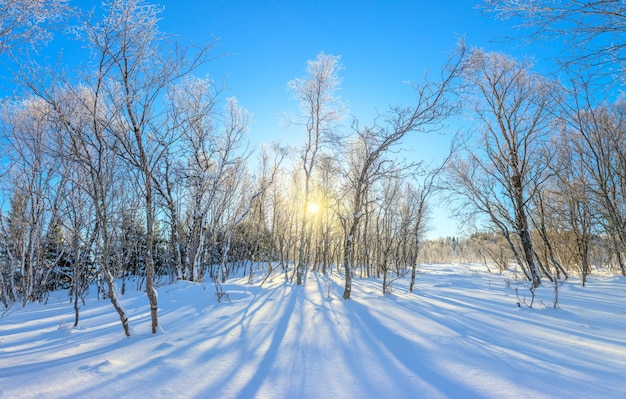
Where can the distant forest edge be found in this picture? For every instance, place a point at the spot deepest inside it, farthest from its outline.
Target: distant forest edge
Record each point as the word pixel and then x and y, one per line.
pixel 133 166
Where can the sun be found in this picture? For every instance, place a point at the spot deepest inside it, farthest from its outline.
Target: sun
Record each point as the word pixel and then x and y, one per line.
pixel 313 207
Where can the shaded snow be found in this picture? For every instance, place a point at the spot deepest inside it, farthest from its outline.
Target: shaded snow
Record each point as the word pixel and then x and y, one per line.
pixel 460 334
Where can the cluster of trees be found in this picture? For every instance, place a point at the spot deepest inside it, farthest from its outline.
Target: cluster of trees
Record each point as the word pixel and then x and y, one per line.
pixel 133 166
pixel 492 249
pixel 136 167
pixel 545 169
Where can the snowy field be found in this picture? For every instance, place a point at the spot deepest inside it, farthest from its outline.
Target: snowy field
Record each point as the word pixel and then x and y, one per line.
pixel 459 335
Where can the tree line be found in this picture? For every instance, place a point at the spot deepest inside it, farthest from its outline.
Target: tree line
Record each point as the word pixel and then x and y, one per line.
pixel 135 167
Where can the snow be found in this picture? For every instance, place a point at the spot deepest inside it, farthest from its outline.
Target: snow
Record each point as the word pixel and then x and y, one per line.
pixel 459 335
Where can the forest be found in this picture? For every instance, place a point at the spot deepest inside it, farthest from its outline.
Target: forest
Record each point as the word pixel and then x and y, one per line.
pixel 134 170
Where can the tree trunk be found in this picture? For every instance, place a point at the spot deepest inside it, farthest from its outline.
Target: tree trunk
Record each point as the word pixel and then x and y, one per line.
pixel 115 302
pixel 347 257
pixel 522 226
pixel 150 289
pixel 414 265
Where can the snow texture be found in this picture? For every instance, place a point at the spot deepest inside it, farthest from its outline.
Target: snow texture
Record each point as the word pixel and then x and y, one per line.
pixel 459 335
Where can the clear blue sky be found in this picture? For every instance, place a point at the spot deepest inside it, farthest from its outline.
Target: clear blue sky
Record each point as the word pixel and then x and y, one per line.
pixel 382 44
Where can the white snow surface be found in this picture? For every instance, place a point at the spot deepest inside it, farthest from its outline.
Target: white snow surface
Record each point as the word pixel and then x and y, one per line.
pixel 460 334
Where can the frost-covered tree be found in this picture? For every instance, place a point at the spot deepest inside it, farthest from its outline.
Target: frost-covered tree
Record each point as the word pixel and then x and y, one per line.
pixel 34 186
pixel 189 173
pixel 27 22
pixel 89 149
pixel 248 197
pixel 594 178
pixel 505 170
pixel 321 110
pixel 135 64
pixel 369 162
pixel 592 31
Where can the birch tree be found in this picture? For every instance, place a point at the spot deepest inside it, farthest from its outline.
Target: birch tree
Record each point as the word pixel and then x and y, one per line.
pixel 136 66
pixel 321 111
pixel 79 232
pixel 506 169
pixel 247 201
pixel 29 135
pixel 368 165
pixel 90 148
pixel 592 31
pixel 595 140
pixel 193 120
pixel 27 22
pixel 369 162
pixel 418 196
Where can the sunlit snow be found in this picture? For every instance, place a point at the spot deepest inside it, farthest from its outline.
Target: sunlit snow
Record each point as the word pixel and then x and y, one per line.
pixel 459 335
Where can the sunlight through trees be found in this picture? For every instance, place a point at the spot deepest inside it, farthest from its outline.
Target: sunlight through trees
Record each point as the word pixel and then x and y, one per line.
pixel 130 168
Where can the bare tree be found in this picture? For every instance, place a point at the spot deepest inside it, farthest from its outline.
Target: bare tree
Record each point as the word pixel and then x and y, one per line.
pixel 418 197
pixel 327 198
pixel 269 171
pixel 261 240
pixel 79 232
pixel 27 21
pixel 29 135
pixel 507 168
pixel 387 229
pixel 595 138
pixel 205 150
pixel 85 120
pixel 593 57
pixel 228 184
pixel 135 66
pixel 90 148
pixel 369 162
pixel 368 165
pixel 321 111
pixel 593 31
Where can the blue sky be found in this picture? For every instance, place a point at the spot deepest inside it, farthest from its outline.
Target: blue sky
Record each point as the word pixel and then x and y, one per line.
pixel 382 45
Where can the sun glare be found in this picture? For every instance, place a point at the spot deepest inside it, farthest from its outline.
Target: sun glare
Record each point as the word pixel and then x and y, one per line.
pixel 313 207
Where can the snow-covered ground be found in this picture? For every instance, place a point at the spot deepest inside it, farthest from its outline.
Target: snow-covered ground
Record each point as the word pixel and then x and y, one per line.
pixel 459 335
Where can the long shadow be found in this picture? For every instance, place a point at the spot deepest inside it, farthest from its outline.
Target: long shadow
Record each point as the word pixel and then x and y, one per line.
pixel 535 346
pixel 254 384
pixel 410 355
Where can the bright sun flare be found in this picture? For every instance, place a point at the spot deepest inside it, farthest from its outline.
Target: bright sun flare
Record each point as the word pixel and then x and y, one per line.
pixel 313 207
